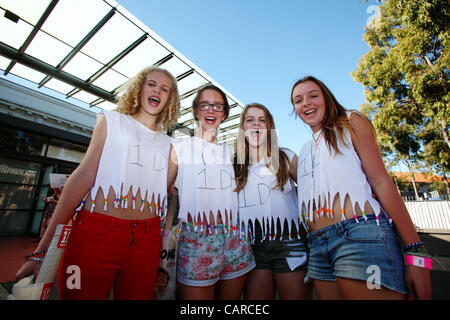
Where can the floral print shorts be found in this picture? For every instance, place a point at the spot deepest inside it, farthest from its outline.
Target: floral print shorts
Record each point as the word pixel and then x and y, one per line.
pixel 203 259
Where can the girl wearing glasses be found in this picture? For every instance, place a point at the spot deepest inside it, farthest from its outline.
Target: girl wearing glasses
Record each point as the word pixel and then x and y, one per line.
pixel 122 184
pixel 354 251
pixel 212 261
pixel 268 209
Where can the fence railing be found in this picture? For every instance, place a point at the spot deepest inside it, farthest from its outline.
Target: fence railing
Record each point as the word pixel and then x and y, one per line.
pixel 410 196
pixel 430 216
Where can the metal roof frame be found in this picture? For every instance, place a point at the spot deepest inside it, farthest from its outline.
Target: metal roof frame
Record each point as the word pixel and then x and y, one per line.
pixel 81 44
pixel 188 74
pixel 43 67
pixel 33 33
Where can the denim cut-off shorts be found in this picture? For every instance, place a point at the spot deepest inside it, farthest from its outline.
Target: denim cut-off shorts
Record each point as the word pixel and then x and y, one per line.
pixel 204 259
pixel 362 251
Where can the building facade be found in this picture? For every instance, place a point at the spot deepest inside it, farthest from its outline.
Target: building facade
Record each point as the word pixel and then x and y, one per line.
pixel 39 135
pixel 60 67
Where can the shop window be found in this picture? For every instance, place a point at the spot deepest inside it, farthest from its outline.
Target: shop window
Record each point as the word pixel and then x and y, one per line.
pixel 22 142
pixel 18 180
pixel 18 171
pixel 65 151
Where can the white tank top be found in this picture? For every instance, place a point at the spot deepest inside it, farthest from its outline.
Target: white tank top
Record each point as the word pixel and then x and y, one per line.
pixel 133 157
pixel 205 182
pixel 325 174
pixel 259 201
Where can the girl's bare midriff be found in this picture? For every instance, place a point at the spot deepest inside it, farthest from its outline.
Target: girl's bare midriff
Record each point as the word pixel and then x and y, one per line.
pixel 125 212
pixel 212 220
pixel 325 219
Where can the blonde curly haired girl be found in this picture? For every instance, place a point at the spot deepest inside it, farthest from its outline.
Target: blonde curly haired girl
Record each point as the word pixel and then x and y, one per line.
pixel 130 97
pixel 120 192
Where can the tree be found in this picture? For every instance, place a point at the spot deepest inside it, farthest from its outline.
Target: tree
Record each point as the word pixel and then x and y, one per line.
pixel 438 157
pixel 406 76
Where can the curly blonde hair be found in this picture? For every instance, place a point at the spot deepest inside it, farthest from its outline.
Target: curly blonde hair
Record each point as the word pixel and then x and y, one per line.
pixel 130 100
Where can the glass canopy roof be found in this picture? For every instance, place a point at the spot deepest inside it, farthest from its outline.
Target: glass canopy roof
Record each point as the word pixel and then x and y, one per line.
pixel 85 49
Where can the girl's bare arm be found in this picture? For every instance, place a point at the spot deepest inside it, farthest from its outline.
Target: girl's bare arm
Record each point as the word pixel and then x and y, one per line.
pixel 75 189
pixel 364 141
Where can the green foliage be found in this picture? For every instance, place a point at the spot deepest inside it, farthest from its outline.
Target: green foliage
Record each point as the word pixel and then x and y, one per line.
pixel 406 76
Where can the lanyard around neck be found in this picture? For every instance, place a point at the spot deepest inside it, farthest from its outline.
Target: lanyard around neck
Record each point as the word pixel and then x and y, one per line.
pixel 313 152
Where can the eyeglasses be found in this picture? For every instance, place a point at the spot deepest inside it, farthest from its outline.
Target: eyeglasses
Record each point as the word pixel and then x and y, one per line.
pixel 216 107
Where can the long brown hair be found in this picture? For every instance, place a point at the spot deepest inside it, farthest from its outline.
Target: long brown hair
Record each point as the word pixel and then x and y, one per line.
pixel 279 161
pixel 335 119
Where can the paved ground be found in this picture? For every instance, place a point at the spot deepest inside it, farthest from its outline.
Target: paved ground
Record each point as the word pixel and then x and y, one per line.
pixel 12 250
pixel 438 246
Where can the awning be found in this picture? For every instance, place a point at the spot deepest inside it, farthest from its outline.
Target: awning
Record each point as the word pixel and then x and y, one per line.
pixel 86 49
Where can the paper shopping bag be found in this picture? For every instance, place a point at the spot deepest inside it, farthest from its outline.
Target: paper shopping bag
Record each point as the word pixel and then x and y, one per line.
pixel 166 283
pixel 25 289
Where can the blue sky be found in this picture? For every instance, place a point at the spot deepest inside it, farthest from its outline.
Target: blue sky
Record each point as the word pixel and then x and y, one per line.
pixel 258 49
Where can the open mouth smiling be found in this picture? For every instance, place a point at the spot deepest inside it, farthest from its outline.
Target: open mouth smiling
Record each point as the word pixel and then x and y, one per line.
pixel 256 133
pixel 309 112
pixel 210 120
pixel 154 101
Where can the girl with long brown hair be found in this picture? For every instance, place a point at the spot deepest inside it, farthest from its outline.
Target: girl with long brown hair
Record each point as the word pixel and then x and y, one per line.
pixel 354 251
pixel 268 209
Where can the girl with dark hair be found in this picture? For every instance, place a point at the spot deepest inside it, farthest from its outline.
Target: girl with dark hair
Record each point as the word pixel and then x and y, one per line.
pixel 212 262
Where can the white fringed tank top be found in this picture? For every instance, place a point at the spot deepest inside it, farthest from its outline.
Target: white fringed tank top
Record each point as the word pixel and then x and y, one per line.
pixel 205 183
pixel 260 201
pixel 322 174
pixel 133 157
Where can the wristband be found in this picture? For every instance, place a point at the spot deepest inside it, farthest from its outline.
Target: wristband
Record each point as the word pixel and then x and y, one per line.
pixel 419 261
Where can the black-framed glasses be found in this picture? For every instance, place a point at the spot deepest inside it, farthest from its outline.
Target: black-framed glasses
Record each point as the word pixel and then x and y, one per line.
pixel 216 107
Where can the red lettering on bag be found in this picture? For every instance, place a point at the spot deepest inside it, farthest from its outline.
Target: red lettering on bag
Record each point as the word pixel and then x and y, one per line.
pixel 46 290
pixel 64 237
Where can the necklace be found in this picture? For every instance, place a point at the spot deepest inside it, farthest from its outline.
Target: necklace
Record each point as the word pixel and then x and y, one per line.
pixel 313 156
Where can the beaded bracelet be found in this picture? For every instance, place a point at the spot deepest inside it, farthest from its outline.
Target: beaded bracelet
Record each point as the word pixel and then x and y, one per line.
pixel 34 255
pixel 416 247
pixel 35 259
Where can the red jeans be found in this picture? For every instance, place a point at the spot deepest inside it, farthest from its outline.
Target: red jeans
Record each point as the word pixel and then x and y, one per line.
pixel 107 253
